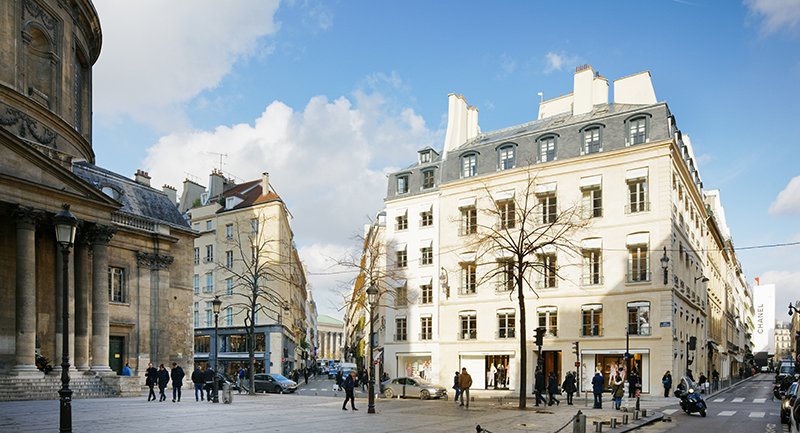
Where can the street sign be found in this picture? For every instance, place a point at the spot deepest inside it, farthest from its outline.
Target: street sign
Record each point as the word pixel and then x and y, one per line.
pixel 664 324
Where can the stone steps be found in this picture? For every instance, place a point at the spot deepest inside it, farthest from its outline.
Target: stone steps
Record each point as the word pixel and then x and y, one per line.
pixel 46 388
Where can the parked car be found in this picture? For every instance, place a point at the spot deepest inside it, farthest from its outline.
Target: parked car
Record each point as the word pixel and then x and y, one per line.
pixel 787 402
pixel 344 367
pixel 412 387
pixel 273 383
pixel 786 369
pixel 764 369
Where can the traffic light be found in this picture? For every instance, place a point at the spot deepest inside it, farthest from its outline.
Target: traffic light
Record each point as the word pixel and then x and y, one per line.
pixel 539 336
pixel 576 348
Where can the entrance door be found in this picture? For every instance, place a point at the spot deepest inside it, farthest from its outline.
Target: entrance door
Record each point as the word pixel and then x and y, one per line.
pixel 116 352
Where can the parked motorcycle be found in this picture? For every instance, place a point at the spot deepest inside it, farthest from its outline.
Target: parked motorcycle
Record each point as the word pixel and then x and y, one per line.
pixel 689 394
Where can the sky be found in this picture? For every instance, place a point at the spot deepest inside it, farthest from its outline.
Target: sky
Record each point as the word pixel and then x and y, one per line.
pixel 330 96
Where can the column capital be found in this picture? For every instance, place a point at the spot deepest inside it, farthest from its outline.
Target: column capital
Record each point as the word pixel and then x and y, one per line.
pixel 100 234
pixel 153 261
pixel 26 216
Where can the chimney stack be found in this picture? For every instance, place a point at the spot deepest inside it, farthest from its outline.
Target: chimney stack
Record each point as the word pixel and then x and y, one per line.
pixel 216 183
pixel 171 192
pixel 462 122
pixel 142 177
pixel 265 183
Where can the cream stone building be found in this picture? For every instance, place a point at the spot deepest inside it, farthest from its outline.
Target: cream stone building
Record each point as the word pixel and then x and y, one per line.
pixel 634 276
pixel 242 226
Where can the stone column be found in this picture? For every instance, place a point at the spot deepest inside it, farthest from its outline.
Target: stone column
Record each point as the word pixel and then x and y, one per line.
pixel 82 303
pixel 25 302
pixel 100 326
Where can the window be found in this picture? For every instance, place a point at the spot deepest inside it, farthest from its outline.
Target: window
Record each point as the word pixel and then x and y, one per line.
pixel 424 157
pixel 637 195
pixel 401 222
pixel 506 324
pixel 469 325
pixel 547 149
pixel 402 258
pixel 469 165
pixel 196 255
pixel 469 220
pixel 427 255
pixel 401 295
pixel 592 320
pixel 638 263
pixel 209 253
pixel 229 286
pixel 505 278
pixel 426 218
pixel 592 140
pixel 229 231
pixel 209 283
pixel 426 291
pixel 592 267
pixel 400 329
pixel 229 316
pixel 639 318
pixel 196 316
pixel 637 130
pixel 507 214
pixel 506 157
pixel 202 343
pixel 548 204
pixel 229 259
pixel 196 284
pixel 402 184
pixel 208 225
pixel 549 271
pixel 548 319
pixel 427 179
pixel 426 328
pixel 468 278
pixel 592 202
pixel 116 285
pixel 209 313
pixel 254 225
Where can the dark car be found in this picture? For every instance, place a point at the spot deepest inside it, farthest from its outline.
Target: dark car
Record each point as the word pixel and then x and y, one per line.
pixel 273 383
pixel 412 387
pixel 785 370
pixel 788 402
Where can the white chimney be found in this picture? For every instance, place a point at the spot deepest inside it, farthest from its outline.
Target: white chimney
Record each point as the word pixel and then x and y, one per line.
pixel 599 90
pixel 456 133
pixel 635 89
pixel 142 177
pixel 582 93
pixel 472 123
pixel 264 183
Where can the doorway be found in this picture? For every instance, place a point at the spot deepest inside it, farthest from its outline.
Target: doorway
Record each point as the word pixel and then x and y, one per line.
pixel 116 353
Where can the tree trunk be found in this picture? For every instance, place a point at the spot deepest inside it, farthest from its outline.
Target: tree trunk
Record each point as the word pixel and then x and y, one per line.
pixel 251 350
pixel 523 350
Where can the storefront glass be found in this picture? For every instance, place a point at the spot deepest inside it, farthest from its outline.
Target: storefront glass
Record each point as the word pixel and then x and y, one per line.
pixel 497 372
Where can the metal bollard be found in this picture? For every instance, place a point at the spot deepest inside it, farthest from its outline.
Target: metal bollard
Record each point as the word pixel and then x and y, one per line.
pixel 598 427
pixel 579 423
pixel 624 419
pixel 644 413
pixel 613 423
pixel 635 415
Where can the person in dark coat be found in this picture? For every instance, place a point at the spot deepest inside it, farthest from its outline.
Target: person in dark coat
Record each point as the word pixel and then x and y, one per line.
pixel 199 382
pixel 163 380
pixel 209 376
pixel 569 387
pixel 633 382
pixel 177 376
pixel 552 389
pixel 597 390
pixel 349 386
pixel 666 380
pixel 339 379
pixel 538 386
pixel 306 373
pixel 151 379
pixel 456 387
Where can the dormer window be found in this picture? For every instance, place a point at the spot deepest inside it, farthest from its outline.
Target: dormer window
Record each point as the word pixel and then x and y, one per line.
pixel 547 149
pixel 402 184
pixel 506 156
pixel 592 140
pixel 427 179
pixel 469 165
pixel 424 157
pixel 637 129
pixel 111 192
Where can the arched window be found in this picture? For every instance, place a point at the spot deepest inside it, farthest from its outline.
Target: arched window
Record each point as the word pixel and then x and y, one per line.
pixel 592 139
pixel 547 148
pixel 469 164
pixel 637 129
pixel 40 62
pixel 507 156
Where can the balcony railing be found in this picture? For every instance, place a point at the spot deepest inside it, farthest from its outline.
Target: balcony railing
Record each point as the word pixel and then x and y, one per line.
pixel 637 206
pixel 468 290
pixel 637 277
pixel 592 280
pixel 505 334
pixel 468 335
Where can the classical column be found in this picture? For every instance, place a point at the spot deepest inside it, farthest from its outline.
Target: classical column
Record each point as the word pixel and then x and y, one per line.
pixel 25 350
pixel 81 303
pixel 100 326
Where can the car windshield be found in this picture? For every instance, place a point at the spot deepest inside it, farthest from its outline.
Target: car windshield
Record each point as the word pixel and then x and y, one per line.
pixel 421 381
pixel 787 369
pixel 278 377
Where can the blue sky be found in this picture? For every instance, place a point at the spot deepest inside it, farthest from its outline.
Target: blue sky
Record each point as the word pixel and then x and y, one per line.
pixel 330 96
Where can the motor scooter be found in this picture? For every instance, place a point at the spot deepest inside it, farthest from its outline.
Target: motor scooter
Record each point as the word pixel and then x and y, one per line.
pixel 691 400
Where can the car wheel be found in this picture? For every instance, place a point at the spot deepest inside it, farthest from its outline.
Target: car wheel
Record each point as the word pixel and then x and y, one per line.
pixel 388 393
pixel 424 395
pixel 280 390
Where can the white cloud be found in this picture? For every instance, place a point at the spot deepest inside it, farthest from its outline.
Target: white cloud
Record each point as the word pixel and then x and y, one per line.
pixel 788 200
pixel 787 289
pixel 328 163
pixel 776 14
pixel 557 61
pixel 148 71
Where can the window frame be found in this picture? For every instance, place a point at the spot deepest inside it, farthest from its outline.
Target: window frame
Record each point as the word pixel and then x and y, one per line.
pixel 228 231
pixel 470 319
pixel 468 284
pixel 542 153
pixel 426 255
pixel 401 222
pixel 548 206
pixel 506 323
pixel 401 258
pixel 209 287
pixel 592 201
pixel 640 137
pixel 636 307
pixel 402 179
pixel 426 328
pixel 549 273
pixel 596 145
pixel 469 165
pixel 636 260
pixel 547 318
pixel 426 293
pixel 428 179
pixel 505 278
pixel 507 212
pixel 398 336
pixel 426 218
pixel 506 152
pixel 638 195
pixel 469 220
pixel 592 272
pixel 117 293
pixel 229 259
pixel 595 320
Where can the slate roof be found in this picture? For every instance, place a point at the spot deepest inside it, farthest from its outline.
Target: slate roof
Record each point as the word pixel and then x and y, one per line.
pixel 136 199
pixel 250 193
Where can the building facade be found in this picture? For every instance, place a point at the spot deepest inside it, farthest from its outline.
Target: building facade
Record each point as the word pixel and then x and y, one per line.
pixel 628 279
pixel 783 341
pixel 130 268
pixel 330 332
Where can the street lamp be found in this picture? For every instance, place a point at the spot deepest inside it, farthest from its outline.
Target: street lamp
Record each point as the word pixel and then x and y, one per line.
pixel 793 310
pixel 372 297
pixel 66 225
pixel 443 282
pixel 216 304
pixel 665 265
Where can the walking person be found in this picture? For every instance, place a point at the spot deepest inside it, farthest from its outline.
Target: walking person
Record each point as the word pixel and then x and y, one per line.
pixel 703 382
pixel 240 375
pixel 349 394
pixel 198 381
pixel 464 382
pixel 666 380
pixel 597 389
pixel 306 373
pixel 552 389
pixel 163 380
pixel 715 380
pixel 538 386
pixel 569 387
pixel 633 381
pixel 208 377
pixel 456 387
pixel 339 380
pixel 177 376
pixel 617 390
pixel 151 379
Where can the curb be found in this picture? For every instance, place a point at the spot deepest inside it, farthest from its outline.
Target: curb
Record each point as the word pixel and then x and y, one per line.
pixel 657 416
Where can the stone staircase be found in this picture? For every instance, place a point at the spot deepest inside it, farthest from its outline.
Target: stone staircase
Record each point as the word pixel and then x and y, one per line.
pixel 46 388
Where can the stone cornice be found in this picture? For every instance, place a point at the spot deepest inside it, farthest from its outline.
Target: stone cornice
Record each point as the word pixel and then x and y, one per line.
pixel 153 261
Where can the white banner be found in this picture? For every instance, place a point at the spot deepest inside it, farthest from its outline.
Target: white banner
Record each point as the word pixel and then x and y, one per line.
pixel 764 305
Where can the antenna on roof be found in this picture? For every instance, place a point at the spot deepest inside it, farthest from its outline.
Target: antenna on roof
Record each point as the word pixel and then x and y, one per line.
pixel 541 97
pixel 222 157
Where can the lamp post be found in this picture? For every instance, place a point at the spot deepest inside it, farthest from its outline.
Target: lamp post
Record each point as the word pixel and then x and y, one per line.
pixel 443 282
pixel 665 265
pixel 66 225
pixel 216 304
pixel 372 297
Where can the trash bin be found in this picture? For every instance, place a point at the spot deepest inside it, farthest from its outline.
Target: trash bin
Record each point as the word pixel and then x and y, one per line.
pixel 227 393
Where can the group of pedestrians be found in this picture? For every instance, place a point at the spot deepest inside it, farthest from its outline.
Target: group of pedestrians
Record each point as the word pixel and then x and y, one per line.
pixel 462 382
pixel 160 377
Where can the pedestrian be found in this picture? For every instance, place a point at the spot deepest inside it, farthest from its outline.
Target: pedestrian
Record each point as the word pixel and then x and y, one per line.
pixel 703 382
pixel 349 385
pixel 666 380
pixel 208 377
pixel 296 376
pixel 552 389
pixel 456 387
pixel 633 381
pixel 197 380
pixel 597 389
pixel 715 380
pixel 306 373
pixel 569 387
pixel 163 380
pixel 690 375
pixel 126 370
pixel 240 375
pixel 617 390
pixel 339 380
pixel 362 379
pixel 464 382
pixel 538 386
pixel 151 379
pixel 177 376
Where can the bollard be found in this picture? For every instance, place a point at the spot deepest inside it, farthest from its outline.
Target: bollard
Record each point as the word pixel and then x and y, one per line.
pixel 613 423
pixel 624 419
pixel 579 423
pixel 635 415
pixel 644 413
pixel 598 427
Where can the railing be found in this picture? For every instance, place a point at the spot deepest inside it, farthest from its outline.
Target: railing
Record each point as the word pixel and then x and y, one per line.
pixel 637 206
pixel 507 334
pixel 592 280
pixel 133 221
pixel 469 290
pixel 637 277
pixel 468 335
